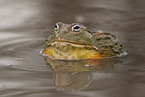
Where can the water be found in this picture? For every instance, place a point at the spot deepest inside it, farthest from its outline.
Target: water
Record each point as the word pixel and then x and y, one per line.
pixel 26 24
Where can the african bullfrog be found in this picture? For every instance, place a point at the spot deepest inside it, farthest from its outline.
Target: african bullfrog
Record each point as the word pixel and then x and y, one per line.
pixel 75 42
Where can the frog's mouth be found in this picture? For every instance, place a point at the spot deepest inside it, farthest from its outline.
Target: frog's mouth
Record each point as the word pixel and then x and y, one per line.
pixel 67 43
pixel 68 50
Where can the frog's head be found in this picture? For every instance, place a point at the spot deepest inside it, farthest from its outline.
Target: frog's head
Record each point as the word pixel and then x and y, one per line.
pixel 71 41
pixel 74 33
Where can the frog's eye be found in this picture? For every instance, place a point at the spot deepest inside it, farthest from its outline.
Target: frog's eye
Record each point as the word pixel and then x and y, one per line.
pixel 76 28
pixel 56 27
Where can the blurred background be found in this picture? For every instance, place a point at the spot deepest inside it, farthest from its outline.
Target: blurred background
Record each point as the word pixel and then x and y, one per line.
pixel 25 24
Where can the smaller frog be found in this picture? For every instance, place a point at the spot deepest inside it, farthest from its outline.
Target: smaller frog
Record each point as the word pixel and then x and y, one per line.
pixel 75 42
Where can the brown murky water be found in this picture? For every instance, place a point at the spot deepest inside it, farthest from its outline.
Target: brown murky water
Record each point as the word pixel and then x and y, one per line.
pixel 24 26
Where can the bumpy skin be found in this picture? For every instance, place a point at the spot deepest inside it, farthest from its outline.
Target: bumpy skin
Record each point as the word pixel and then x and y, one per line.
pixel 106 44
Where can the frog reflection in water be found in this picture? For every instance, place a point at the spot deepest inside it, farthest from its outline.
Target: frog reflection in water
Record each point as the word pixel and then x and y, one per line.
pixel 79 75
pixel 75 42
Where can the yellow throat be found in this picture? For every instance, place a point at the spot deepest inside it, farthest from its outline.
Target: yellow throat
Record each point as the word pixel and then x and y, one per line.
pixel 71 51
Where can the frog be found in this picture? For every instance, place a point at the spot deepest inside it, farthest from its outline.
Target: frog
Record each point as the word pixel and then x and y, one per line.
pixel 75 42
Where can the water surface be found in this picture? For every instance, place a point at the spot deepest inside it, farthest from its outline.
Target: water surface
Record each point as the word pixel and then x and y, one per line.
pixel 26 24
